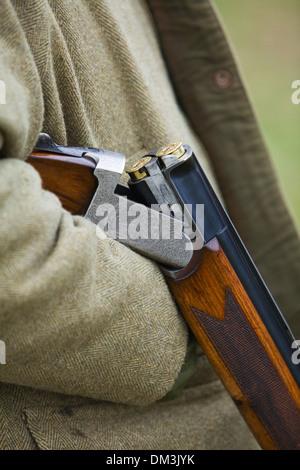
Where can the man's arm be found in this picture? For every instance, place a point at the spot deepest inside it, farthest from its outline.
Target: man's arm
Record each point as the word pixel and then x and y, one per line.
pixel 73 313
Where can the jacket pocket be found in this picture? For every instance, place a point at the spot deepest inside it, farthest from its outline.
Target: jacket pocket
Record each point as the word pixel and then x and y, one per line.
pixel 189 422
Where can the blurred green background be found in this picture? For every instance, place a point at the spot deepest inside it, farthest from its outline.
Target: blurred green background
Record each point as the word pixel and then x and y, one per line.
pixel 266 38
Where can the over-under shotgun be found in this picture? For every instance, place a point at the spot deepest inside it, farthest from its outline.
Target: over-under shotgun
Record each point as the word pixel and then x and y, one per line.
pixel 220 291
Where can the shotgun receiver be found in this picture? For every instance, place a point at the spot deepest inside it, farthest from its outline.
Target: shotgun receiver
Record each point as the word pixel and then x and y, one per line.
pixel 213 279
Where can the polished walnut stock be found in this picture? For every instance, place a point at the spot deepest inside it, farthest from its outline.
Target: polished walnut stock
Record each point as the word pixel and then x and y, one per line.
pixel 70 178
pixel 239 347
pixel 219 312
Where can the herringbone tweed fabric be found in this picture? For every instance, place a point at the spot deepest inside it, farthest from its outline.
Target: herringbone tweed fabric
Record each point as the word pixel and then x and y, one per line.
pixel 93 337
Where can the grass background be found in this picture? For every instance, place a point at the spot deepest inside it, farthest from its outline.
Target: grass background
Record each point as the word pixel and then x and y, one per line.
pixel 266 40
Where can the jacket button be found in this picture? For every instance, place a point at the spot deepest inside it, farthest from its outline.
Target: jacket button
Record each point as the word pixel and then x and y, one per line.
pixel 223 79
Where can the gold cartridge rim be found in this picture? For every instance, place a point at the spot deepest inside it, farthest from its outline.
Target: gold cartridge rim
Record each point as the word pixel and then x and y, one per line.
pixel 137 171
pixel 175 148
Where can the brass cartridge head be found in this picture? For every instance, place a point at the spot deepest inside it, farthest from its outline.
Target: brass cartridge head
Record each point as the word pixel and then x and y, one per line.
pixel 138 171
pixel 175 149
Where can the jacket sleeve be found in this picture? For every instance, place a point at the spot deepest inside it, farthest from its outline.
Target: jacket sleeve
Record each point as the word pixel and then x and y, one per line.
pixel 79 314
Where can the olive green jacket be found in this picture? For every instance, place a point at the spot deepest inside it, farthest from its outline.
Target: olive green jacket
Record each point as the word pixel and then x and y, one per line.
pixel 93 337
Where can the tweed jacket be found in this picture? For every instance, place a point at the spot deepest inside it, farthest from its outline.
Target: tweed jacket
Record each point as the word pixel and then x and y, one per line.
pixel 93 338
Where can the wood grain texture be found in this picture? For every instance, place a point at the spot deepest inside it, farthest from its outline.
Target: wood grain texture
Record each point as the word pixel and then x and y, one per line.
pixel 238 345
pixel 70 178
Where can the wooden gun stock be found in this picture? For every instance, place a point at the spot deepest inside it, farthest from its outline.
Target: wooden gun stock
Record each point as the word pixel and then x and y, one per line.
pixel 70 178
pixel 239 347
pixel 220 313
